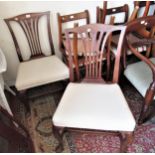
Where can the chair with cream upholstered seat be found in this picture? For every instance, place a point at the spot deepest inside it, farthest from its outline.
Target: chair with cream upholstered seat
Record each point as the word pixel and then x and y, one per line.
pixel 31 33
pixel 91 103
pixel 142 74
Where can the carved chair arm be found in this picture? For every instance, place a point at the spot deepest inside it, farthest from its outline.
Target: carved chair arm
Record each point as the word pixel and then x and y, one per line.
pixel 141 57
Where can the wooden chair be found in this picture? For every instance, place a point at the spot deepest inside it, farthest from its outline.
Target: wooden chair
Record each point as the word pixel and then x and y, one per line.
pixel 31 33
pixel 139 6
pixel 142 74
pixel 141 9
pixel 71 20
pixel 102 14
pixel 91 103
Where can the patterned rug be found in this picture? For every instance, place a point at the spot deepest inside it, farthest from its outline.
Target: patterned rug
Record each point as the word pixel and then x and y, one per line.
pixel 39 125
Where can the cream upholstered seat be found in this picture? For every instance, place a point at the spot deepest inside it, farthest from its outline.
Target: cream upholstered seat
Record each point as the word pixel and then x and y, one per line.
pixel 40 71
pixel 104 105
pixel 140 75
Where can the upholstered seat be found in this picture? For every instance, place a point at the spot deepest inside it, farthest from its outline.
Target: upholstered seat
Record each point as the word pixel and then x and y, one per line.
pixel 140 75
pixel 104 105
pixel 40 71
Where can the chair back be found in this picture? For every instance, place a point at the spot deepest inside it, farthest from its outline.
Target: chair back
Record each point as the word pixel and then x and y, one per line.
pixel 31 33
pixel 144 8
pixel 102 14
pixel 94 38
pixel 66 21
pixel 147 24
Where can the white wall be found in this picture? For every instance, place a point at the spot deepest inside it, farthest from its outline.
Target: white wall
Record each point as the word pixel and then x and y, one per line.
pixel 9 9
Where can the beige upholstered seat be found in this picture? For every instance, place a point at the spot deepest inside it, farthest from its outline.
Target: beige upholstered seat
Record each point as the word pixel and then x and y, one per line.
pixel 104 105
pixel 140 75
pixel 40 71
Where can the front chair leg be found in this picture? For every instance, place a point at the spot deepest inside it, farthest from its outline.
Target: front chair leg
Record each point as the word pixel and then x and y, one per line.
pixel 125 140
pixel 58 134
pixel 147 102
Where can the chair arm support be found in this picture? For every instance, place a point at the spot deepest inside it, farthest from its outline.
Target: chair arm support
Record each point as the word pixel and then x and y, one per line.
pixel 141 57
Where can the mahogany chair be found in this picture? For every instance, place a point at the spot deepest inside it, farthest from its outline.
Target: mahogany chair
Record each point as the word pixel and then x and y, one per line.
pixel 70 21
pixel 91 103
pixel 102 14
pixel 141 9
pixel 31 33
pixel 142 74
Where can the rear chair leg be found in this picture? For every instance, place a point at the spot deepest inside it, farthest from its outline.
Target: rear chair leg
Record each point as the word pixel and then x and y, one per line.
pixel 24 99
pixel 58 134
pixel 125 140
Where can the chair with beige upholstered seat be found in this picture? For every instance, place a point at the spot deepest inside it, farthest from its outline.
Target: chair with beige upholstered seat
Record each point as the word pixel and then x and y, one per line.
pixel 91 103
pixel 142 74
pixel 32 37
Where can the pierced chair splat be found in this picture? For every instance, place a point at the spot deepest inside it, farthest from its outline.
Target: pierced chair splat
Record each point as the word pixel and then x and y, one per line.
pixel 70 21
pixel 102 15
pixel 31 33
pixel 91 103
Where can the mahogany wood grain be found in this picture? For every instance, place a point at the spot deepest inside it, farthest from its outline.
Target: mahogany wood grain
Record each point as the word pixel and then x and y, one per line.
pixel 94 38
pixel 63 19
pixel 102 13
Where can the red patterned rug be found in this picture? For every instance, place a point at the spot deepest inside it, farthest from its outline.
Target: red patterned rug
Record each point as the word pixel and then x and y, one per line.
pixel 144 140
pixel 40 127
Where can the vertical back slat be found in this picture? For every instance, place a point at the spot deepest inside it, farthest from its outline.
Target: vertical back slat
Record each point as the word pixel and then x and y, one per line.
pixel 29 23
pixel 95 39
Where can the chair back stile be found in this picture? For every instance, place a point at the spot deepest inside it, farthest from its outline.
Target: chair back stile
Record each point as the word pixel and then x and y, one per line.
pixel 29 23
pixel 142 4
pixel 67 19
pixel 103 13
pixel 94 38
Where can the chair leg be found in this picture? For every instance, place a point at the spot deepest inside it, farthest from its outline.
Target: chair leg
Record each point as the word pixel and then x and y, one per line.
pixel 125 140
pixel 24 99
pixel 58 134
pixel 147 102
